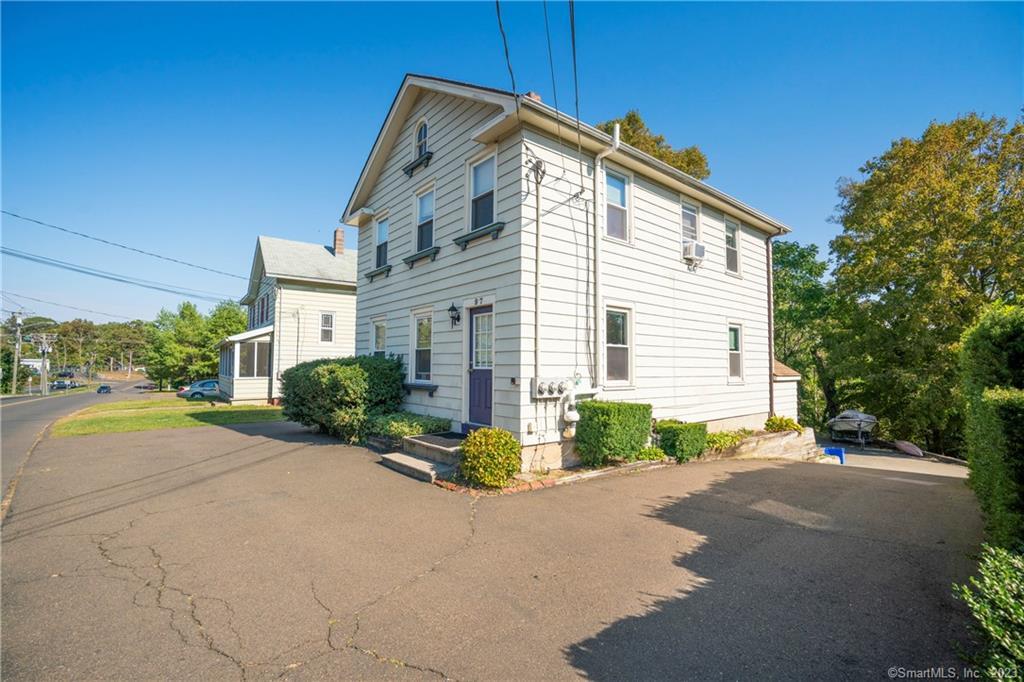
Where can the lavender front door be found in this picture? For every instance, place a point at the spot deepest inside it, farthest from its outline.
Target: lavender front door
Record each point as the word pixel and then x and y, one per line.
pixel 481 364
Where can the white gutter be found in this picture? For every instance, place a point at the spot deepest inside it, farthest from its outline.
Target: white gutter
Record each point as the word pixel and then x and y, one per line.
pixel 538 173
pixel 598 298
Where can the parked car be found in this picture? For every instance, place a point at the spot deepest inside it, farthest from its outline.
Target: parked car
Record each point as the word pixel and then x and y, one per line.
pixel 205 388
pixel 59 385
pixel 103 389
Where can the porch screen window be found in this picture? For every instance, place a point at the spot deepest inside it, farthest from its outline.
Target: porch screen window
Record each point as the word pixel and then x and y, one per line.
pixel 617 344
pixel 735 353
pixel 689 223
pixel 732 253
pixel 326 327
pixel 425 221
pixel 424 328
pixel 483 193
pixel 380 331
pixel 616 212
pixel 382 243
pixel 254 359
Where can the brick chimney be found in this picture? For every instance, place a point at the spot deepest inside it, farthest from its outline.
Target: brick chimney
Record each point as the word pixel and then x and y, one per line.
pixel 533 95
pixel 339 241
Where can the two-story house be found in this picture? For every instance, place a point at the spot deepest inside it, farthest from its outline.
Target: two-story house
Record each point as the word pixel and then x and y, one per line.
pixel 521 261
pixel 301 304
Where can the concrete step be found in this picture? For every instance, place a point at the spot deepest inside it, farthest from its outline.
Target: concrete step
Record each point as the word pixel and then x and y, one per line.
pixel 416 467
pixel 443 448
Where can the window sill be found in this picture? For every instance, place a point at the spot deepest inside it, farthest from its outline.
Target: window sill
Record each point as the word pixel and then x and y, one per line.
pixel 430 253
pixel 616 240
pixel 733 381
pixel 411 386
pixel 494 229
pixel 618 387
pixel 737 275
pixel 422 160
pixel 383 270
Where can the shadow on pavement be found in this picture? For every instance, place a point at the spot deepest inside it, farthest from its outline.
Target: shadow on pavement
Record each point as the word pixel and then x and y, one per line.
pixel 784 586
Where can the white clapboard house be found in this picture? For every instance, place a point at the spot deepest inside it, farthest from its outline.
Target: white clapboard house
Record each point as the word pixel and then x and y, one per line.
pixel 301 303
pixel 520 263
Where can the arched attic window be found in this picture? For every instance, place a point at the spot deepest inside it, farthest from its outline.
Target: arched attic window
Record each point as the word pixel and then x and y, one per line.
pixel 422 132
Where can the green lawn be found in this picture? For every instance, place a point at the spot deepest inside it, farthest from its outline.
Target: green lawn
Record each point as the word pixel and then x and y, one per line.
pixel 146 415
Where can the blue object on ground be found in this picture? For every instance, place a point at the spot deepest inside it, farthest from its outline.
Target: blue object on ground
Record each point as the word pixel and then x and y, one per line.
pixel 837 452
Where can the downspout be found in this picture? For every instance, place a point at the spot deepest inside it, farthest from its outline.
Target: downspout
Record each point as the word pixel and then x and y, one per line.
pixel 538 173
pixel 276 341
pixel 771 324
pixel 598 299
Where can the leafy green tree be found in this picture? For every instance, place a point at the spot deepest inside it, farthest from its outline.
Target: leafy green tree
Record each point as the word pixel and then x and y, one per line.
pixel 182 346
pixel 932 232
pixel 634 131
pixel 7 370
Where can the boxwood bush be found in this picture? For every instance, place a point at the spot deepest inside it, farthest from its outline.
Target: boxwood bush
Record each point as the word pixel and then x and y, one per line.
pixel 996 600
pixel 611 430
pixel 490 456
pixel 398 425
pixel 338 395
pixel 681 440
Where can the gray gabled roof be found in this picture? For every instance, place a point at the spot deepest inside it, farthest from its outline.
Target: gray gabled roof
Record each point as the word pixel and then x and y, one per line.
pixel 288 259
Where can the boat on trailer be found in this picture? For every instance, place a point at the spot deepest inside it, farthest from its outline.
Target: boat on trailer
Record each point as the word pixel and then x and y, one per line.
pixel 853 426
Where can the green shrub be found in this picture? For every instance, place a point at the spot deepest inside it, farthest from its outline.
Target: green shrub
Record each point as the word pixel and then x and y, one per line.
pixel 997 604
pixel 398 425
pixel 992 374
pixel 490 457
pixel 777 423
pixel 681 440
pixel 338 395
pixel 611 430
pixel 651 453
pixel 723 440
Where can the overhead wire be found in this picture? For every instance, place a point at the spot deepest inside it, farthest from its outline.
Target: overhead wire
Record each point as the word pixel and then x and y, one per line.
pixel 64 305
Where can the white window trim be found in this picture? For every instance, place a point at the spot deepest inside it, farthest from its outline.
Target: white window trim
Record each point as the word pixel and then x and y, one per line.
pixel 373 334
pixel 698 207
pixel 471 163
pixel 414 315
pixel 430 186
pixel 630 310
pixel 739 248
pixel 630 178
pixel 321 327
pixel 377 220
pixel 743 342
pixel 415 137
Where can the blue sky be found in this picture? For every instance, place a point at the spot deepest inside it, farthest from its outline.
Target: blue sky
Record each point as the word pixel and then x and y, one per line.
pixel 188 129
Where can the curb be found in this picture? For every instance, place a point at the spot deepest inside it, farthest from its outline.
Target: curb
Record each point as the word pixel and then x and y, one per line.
pixel 5 505
pixel 527 486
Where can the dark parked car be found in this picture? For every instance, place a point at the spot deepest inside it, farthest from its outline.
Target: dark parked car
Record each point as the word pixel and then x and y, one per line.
pixel 59 385
pixel 103 389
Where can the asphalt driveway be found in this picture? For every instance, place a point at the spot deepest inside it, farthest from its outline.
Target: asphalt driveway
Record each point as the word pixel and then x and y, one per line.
pixel 263 551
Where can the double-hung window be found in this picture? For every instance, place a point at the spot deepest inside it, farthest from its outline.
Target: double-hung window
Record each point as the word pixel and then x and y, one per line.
pixel 326 327
pixel 482 193
pixel 691 219
pixel 735 352
pixel 425 220
pixel 254 359
pixel 616 206
pixel 379 331
pixel 617 344
pixel 732 250
pixel 382 242
pixel 422 343
pixel 422 132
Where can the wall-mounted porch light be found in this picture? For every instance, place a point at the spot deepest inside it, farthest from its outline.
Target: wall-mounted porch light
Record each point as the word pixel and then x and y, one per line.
pixel 454 315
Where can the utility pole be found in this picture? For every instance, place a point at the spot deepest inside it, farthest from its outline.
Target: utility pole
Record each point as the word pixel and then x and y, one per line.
pixel 44 342
pixel 18 321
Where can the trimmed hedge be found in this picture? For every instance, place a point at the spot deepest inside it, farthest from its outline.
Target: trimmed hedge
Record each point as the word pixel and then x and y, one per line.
pixel 398 425
pixel 611 430
pixel 996 600
pixel 681 440
pixel 490 456
pixel 337 396
pixel 992 376
pixel 776 424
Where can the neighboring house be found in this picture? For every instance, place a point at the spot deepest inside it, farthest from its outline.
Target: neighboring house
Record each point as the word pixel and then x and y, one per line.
pixel 454 277
pixel 302 306
pixel 35 364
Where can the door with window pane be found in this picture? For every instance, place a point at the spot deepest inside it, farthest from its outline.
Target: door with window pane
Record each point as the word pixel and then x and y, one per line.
pixel 481 364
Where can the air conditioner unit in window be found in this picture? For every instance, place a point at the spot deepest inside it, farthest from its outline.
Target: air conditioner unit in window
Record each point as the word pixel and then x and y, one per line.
pixel 693 252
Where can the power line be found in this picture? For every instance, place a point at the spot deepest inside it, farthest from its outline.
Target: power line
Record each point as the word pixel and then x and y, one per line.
pixel 119 245
pixel 65 305
pixel 576 89
pixel 123 279
pixel 512 77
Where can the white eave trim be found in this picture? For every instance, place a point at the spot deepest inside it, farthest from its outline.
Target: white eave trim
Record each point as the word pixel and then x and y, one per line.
pixel 251 334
